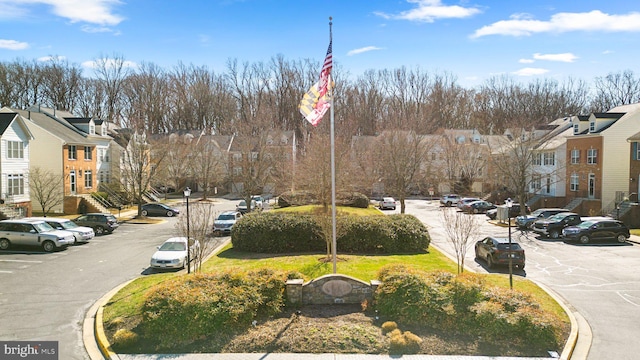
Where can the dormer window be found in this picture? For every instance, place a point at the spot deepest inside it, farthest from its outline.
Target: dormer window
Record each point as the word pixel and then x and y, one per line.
pixel 92 129
pixel 576 128
pixel 592 126
pixel 103 130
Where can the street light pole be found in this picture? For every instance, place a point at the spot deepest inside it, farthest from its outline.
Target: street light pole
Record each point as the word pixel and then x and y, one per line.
pixel 187 193
pixel 510 254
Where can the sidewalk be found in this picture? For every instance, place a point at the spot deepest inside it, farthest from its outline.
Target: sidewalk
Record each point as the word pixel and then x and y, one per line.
pixel 98 347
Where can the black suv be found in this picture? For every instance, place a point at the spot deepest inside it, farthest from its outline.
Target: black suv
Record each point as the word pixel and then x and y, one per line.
pixel 602 229
pixel 525 221
pixel 100 223
pixel 552 226
pixel 498 251
pixel 513 211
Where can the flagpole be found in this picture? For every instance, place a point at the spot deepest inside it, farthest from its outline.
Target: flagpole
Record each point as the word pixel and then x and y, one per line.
pixel 333 165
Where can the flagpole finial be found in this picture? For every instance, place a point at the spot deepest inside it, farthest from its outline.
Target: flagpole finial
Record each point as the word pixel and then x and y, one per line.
pixel 330 20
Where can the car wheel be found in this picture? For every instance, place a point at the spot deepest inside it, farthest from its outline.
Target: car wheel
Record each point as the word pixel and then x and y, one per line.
pixel 448 203
pixel 490 263
pixel 621 238
pixel 48 246
pixel 145 213
pixel 4 244
pixel 584 239
pixel 169 213
pixel 476 211
pixel 554 234
pixel 99 230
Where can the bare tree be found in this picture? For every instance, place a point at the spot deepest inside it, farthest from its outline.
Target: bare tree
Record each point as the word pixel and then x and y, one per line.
pixel 460 229
pixel 46 188
pixel 201 216
pixel 61 82
pixel 112 71
pixel 616 89
pixel 207 161
pixel 401 155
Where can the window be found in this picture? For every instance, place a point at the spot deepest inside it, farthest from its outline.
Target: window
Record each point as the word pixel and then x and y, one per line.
pixel 92 129
pixel 88 179
pixel 537 159
pixel 549 158
pixel 237 171
pixel 15 184
pixel 87 153
pixel 548 187
pixel 592 126
pixel 574 182
pixel 15 150
pixel 536 183
pixel 592 156
pixel 637 151
pixel 576 128
pixel 72 152
pixel 237 157
pixel 575 156
pixel 434 156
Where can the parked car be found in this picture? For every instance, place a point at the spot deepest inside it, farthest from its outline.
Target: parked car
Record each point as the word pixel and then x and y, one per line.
pixel 32 232
pixel 259 201
pixel 159 209
pixel 82 234
pixel 553 225
pixel 514 211
pixel 450 199
pixel 466 200
pixel 242 206
pixel 478 207
pixel 498 251
pixel 172 254
pixel 99 222
pixel 525 221
pixel 225 221
pixel 388 203
pixel 597 230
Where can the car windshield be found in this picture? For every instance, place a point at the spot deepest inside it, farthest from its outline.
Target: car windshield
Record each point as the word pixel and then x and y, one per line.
pixel 505 246
pixel 537 212
pixel 242 203
pixel 557 217
pixel 585 224
pixel 112 218
pixel 68 224
pixel 173 246
pixel 226 217
pixel 42 227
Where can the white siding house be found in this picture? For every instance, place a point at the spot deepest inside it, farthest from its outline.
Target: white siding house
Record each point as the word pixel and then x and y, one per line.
pixel 15 140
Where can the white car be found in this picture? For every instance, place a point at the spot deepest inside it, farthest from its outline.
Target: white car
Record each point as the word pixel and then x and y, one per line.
pixel 172 254
pixel 82 234
pixel 388 203
pixel 259 201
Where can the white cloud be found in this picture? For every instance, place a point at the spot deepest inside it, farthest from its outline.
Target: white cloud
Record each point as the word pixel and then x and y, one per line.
pixel 96 29
pixel 564 57
pixel 431 10
pixel 594 20
pixel 13 44
pixel 530 71
pixel 607 52
pixel 90 11
pixel 363 50
pixel 526 61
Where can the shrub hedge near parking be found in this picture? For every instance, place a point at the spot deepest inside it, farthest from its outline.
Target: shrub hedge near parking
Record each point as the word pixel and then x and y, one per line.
pixel 463 304
pixel 188 307
pixel 297 198
pixel 271 232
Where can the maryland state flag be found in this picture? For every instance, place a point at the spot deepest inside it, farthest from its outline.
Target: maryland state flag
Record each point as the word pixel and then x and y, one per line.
pixel 317 101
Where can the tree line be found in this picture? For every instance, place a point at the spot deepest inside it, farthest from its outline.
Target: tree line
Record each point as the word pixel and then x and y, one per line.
pixel 158 100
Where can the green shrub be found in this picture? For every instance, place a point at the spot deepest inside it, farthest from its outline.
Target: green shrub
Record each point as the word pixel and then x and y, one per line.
pixel 354 199
pixel 186 308
pixel 382 234
pixel 271 232
pixel 295 198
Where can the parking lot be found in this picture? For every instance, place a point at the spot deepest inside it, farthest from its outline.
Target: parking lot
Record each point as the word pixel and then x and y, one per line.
pixel 599 280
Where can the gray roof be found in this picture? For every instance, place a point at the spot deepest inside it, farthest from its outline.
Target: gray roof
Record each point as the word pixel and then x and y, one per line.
pixel 58 127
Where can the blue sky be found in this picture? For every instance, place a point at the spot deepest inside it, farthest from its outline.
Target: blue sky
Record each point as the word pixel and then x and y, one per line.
pixel 470 39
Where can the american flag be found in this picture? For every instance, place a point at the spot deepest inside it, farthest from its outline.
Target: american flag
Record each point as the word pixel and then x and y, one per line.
pixel 323 84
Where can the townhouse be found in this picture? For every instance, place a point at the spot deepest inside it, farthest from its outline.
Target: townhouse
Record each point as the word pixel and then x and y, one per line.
pixel 15 150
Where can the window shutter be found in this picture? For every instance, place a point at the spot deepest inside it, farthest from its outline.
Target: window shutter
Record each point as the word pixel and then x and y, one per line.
pixel 634 153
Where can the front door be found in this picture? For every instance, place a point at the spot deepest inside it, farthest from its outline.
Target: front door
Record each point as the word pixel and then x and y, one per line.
pixel 72 182
pixel 592 186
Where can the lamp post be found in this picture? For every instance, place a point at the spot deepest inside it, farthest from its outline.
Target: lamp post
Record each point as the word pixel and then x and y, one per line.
pixel 187 193
pixel 509 203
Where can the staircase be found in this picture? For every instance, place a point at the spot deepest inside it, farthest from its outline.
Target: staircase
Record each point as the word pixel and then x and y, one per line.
pixel 574 204
pixel 93 204
pixel 625 206
pixel 10 211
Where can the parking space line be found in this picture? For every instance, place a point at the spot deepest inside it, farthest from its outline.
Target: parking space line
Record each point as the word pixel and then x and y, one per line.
pixel 6 272
pixel 21 261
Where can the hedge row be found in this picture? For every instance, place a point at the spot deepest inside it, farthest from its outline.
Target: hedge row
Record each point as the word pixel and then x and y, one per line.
pixel 271 232
pixel 464 304
pixel 297 198
pixel 188 307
